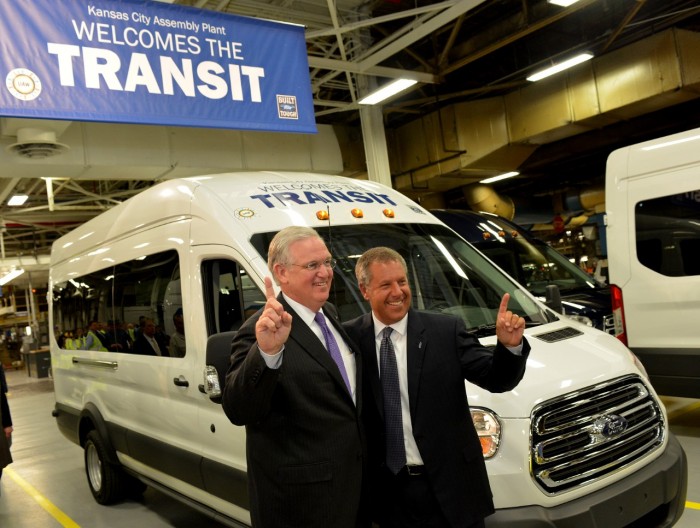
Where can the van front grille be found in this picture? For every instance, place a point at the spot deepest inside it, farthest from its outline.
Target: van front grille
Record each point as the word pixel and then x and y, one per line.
pixel 588 434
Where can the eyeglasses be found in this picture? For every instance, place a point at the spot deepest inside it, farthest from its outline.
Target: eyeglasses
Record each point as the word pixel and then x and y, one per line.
pixel 315 266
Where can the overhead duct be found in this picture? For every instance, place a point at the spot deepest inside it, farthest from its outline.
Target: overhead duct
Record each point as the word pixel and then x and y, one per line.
pixel 36 143
pixel 484 198
pixel 473 140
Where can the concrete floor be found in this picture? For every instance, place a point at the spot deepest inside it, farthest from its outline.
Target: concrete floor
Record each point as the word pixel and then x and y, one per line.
pixel 46 487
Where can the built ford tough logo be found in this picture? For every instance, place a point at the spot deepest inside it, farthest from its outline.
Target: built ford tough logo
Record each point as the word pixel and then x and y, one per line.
pixel 609 426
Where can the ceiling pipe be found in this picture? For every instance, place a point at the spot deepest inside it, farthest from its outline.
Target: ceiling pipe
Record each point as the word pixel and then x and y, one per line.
pixel 49 193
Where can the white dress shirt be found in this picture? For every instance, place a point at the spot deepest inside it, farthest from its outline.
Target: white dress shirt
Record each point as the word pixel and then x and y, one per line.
pixel 275 361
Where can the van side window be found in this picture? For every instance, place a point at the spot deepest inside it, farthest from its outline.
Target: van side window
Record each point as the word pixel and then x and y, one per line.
pixel 230 295
pixel 667 231
pixel 108 310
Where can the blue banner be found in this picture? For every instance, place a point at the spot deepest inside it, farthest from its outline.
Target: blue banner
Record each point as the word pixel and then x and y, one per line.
pixel 131 61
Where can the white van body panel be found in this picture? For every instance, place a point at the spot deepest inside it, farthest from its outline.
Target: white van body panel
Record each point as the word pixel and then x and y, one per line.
pixel 214 217
pixel 657 306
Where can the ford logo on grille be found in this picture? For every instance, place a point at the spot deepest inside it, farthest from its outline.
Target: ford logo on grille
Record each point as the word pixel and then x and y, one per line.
pixel 609 425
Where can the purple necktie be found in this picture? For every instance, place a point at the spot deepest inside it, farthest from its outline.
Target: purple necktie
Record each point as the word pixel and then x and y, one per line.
pixel 332 347
pixel 393 421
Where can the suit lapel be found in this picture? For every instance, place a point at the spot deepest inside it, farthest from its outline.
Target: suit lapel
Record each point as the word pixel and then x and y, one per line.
pixel 332 316
pixel 309 343
pixel 369 360
pixel 416 344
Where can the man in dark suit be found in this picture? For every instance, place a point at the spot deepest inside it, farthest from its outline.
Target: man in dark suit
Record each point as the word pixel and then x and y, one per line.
pixel 5 424
pixel 149 342
pixel 426 462
pixel 297 390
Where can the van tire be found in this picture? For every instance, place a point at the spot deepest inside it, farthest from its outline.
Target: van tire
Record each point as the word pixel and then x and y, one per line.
pixel 107 481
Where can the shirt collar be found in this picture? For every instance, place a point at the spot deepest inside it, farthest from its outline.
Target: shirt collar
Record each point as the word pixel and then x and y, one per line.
pixel 306 314
pixel 399 326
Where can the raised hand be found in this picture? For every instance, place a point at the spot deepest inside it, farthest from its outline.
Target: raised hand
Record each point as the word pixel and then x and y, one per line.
pixel 509 326
pixel 273 327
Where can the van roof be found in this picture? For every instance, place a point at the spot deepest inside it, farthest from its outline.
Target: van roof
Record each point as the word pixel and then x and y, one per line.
pixel 658 155
pixel 252 201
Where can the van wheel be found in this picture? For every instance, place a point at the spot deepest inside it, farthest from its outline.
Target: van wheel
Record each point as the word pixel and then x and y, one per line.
pixel 106 480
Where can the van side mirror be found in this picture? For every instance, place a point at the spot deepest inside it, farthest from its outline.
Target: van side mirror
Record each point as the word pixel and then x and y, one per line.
pixel 212 387
pixel 553 298
pixel 217 363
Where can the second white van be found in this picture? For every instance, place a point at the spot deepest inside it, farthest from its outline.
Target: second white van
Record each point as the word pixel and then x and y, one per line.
pixel 652 201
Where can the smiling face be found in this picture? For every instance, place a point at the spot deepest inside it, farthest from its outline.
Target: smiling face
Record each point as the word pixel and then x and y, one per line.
pixel 307 287
pixel 387 291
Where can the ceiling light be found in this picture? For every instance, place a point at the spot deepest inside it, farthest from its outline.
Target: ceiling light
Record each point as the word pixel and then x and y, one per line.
pixel 563 3
pixel 386 91
pixel 500 177
pixel 12 274
pixel 578 59
pixel 18 199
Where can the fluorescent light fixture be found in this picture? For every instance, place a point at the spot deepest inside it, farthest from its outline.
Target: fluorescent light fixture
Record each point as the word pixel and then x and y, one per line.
pixel 386 91
pixel 12 274
pixel 578 59
pixel 563 3
pixel 500 177
pixel 18 199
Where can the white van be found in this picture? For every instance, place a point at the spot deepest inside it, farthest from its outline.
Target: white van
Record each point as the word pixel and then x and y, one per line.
pixel 582 441
pixel 652 201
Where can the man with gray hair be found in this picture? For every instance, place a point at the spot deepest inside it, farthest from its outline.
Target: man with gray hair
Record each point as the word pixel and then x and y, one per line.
pixel 294 382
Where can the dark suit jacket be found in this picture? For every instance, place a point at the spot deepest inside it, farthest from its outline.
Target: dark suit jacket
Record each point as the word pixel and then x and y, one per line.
pixel 142 346
pixel 304 437
pixel 440 356
pixel 5 421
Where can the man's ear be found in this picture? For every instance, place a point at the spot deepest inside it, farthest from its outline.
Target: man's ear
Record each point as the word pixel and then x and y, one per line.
pixel 363 291
pixel 280 272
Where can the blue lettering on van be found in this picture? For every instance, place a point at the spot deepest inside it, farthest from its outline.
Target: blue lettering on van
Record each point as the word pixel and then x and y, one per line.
pixel 313 198
pixel 284 199
pixel 337 196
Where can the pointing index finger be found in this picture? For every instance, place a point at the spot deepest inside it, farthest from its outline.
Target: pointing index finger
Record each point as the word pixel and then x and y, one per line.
pixel 269 291
pixel 504 304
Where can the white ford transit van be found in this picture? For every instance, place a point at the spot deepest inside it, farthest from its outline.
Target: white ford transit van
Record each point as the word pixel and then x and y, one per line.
pixel 652 201
pixel 582 441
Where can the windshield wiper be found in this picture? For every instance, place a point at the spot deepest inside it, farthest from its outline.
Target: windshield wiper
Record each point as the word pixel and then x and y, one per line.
pixel 483 330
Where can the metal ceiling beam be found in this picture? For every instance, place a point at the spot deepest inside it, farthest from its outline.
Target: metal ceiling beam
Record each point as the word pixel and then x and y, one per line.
pixel 418 32
pixel 378 71
pixel 532 28
pixel 378 20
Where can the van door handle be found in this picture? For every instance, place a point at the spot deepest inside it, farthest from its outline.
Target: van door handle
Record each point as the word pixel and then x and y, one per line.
pixel 180 382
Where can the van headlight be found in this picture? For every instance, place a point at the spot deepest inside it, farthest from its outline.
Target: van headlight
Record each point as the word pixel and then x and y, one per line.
pixel 488 427
pixel 637 363
pixel 581 319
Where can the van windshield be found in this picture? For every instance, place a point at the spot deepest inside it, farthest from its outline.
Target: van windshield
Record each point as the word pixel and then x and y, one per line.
pixel 536 264
pixel 445 273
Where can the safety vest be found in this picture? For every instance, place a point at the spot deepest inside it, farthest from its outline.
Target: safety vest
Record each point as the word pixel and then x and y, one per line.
pixel 96 343
pixel 75 343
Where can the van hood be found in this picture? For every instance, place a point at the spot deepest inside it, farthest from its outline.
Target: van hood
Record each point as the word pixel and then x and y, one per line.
pixel 583 358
